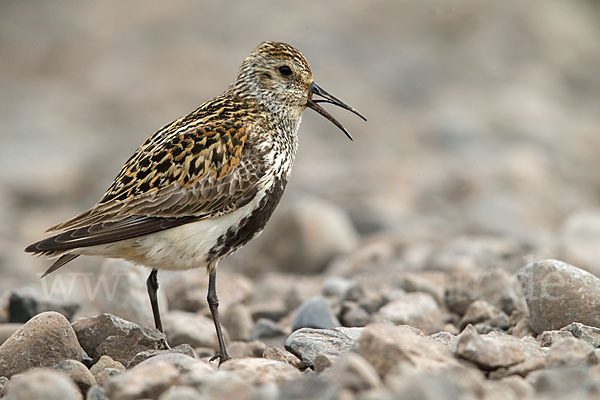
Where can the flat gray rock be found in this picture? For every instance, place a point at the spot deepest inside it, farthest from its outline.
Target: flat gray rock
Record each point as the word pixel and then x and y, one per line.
pixel 559 294
pixel 307 343
pixel 315 313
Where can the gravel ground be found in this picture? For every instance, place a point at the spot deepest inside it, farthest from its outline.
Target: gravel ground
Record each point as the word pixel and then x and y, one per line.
pixel 449 252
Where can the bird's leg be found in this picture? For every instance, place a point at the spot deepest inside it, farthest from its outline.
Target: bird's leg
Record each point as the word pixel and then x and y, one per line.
pixel 152 285
pixel 213 304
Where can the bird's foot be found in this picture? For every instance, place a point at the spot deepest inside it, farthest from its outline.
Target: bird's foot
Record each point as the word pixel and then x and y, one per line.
pixel 222 356
pixel 164 345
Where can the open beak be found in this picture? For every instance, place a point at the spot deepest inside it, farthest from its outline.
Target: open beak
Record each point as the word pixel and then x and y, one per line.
pixel 328 98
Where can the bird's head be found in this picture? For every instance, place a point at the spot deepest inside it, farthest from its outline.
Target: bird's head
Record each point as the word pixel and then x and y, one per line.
pixel 279 76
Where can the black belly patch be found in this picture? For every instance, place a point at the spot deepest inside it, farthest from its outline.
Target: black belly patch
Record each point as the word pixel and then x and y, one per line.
pixel 239 235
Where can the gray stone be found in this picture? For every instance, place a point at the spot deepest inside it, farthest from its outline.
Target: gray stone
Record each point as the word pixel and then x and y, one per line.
pixel 22 306
pixel 107 334
pixel 78 373
pixel 105 368
pixel 237 319
pixel 193 329
pixel 587 333
pixel 43 341
pixel 496 350
pixel 260 371
pixel 386 346
pixel 315 313
pixel 570 351
pixel 352 372
pixel 42 384
pixel 419 310
pixel 143 381
pixel 558 294
pixel 144 355
pixel 127 294
pixel 307 343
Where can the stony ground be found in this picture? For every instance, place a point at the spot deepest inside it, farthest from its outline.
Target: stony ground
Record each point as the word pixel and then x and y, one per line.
pixel 417 262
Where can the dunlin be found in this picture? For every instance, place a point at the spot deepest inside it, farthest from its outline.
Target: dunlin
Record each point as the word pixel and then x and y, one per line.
pixel 205 184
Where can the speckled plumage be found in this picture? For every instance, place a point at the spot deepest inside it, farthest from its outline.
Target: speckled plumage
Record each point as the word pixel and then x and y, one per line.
pixel 205 184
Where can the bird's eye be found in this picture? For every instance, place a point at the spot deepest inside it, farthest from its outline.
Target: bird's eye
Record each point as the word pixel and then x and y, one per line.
pixel 285 70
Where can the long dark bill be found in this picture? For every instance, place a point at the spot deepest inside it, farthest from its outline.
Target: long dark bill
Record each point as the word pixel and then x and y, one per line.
pixel 328 98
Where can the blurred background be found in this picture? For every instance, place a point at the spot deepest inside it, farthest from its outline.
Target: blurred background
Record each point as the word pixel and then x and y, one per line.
pixel 484 119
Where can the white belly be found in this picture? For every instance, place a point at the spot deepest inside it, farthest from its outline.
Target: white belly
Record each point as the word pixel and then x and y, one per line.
pixel 179 248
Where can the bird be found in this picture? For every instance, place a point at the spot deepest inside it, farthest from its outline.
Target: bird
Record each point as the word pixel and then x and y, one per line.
pixel 205 184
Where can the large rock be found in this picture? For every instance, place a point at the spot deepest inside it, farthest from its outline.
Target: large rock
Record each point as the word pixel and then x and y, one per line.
pixel 260 371
pixel 43 341
pixel 386 346
pixel 106 334
pixel 42 384
pixel 419 310
pixel 126 294
pixel 307 343
pixel 558 294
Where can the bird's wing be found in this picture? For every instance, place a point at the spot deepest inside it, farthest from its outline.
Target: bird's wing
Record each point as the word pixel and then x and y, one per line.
pixel 197 167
